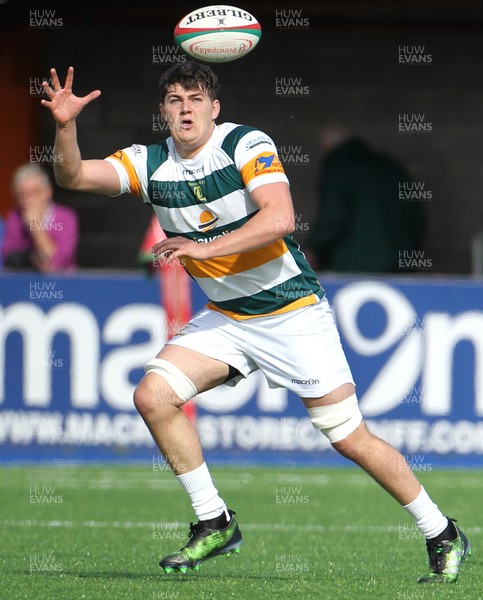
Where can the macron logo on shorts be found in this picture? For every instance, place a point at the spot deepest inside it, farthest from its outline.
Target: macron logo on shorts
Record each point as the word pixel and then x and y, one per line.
pixel 305 381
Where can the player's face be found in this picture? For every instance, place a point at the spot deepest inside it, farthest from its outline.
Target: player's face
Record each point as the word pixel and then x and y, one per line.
pixel 190 115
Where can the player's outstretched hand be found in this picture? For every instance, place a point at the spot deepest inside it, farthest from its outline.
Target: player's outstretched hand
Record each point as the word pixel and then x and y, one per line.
pixel 62 103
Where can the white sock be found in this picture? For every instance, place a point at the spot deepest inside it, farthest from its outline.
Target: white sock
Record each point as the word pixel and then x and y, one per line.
pixel 204 497
pixel 429 519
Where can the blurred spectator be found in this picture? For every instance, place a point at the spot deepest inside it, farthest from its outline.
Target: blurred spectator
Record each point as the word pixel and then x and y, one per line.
pixel 174 281
pixel 39 234
pixel 2 232
pixel 361 224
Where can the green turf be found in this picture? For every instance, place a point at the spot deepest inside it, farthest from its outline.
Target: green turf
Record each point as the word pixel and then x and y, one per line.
pixel 98 533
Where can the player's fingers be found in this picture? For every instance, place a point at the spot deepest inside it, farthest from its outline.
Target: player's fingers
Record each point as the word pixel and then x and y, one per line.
pixel 160 251
pixel 90 97
pixel 69 78
pixel 55 80
pixel 168 257
pixel 157 248
pixel 47 89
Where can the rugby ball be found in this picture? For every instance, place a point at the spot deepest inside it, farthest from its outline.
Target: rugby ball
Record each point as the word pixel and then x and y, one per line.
pixel 218 33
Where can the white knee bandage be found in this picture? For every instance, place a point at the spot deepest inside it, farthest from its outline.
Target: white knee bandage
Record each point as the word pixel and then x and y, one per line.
pixel 338 420
pixel 181 385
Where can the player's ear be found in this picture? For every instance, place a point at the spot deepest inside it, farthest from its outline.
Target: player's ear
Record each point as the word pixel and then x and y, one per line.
pixel 216 108
pixel 161 110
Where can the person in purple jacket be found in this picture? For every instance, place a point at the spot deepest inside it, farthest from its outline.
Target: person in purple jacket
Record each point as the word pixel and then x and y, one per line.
pixel 39 234
pixel 2 231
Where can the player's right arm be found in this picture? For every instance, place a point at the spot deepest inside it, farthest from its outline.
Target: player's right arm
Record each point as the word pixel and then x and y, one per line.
pixel 70 170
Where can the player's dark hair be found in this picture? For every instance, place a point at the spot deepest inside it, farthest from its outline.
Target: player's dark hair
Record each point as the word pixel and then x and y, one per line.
pixel 190 76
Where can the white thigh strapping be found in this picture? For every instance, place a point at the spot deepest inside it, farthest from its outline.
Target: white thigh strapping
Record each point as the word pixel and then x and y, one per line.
pixel 337 421
pixel 182 385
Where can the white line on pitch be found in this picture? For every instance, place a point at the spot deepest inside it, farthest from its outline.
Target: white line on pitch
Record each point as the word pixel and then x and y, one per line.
pixel 249 526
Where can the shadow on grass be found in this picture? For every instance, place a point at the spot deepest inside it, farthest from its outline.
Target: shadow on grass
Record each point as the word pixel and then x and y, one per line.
pixel 161 578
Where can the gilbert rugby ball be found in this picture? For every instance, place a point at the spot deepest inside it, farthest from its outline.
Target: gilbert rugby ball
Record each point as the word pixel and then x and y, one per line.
pixel 218 33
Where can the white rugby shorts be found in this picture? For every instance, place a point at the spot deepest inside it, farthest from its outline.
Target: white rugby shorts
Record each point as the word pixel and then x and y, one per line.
pixel 299 350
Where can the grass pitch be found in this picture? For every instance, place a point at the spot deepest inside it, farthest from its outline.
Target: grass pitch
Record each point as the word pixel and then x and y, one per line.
pixel 98 532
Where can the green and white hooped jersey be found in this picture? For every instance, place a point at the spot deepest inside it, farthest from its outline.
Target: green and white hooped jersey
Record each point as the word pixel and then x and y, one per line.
pixel 209 196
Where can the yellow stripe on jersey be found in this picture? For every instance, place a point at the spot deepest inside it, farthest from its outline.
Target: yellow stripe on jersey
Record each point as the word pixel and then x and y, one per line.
pixel 299 303
pixel 134 182
pixel 235 263
pixel 263 163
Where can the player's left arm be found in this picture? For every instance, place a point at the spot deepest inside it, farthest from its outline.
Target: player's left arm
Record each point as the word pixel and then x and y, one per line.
pixel 274 219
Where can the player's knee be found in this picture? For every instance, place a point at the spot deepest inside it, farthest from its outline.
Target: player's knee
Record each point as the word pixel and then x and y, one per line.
pixel 355 448
pixel 146 397
pixel 337 421
pixel 164 385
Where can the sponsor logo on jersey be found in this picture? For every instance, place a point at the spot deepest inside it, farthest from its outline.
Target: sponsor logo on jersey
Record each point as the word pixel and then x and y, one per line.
pixel 261 139
pixel 264 161
pixel 267 162
pixel 196 186
pixel 207 221
pixel 262 164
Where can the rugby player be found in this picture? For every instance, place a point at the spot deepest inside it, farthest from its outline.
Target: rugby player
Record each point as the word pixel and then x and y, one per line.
pixel 223 200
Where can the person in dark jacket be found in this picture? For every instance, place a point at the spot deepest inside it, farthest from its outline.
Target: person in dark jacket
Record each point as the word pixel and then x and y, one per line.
pixel 363 223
